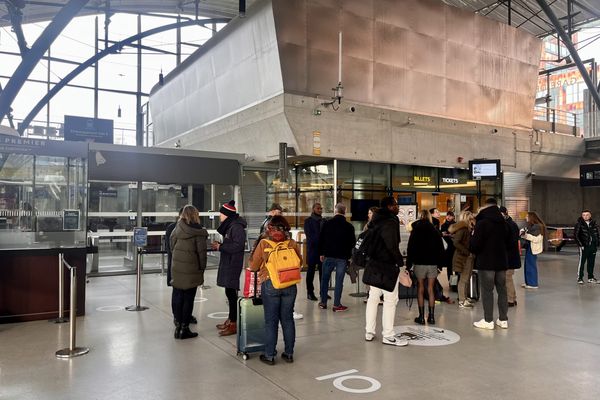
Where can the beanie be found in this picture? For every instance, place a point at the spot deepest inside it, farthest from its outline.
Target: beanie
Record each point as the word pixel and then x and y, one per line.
pixel 228 209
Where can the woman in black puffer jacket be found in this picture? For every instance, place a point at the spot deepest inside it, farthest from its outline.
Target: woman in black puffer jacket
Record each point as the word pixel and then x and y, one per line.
pixel 425 252
pixel 188 244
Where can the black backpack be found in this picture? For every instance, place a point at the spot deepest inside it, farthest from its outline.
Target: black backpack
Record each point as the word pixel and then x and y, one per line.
pixel 364 247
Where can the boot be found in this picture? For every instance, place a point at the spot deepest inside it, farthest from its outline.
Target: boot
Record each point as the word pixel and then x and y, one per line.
pixel 223 325
pixel 186 333
pixel 177 334
pixel 430 317
pixel 421 319
pixel 231 329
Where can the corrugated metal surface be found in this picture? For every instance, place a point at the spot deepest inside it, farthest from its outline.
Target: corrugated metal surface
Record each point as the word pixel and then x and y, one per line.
pixel 517 192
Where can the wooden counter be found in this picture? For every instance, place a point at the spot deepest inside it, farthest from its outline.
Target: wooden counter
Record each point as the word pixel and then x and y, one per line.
pixel 29 283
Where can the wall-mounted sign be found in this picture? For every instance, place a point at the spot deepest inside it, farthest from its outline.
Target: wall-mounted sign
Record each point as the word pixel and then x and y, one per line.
pixel 484 169
pixel 589 175
pixel 450 180
pixel 421 179
pixel 316 143
pixel 81 129
pixel 70 220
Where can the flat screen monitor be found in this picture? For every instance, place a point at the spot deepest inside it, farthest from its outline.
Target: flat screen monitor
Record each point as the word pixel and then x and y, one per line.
pixel 484 169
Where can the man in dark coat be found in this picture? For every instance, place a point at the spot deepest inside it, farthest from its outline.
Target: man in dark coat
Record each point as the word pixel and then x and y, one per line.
pixel 385 259
pixel 335 249
pixel 490 243
pixel 312 230
pixel 514 257
pixel 233 230
pixel 588 240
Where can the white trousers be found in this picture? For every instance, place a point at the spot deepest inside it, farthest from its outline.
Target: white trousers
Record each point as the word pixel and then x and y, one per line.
pixel 390 299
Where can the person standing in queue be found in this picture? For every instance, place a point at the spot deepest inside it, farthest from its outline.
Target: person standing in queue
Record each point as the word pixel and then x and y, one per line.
pixel 278 303
pixel 533 235
pixel 335 248
pixel 274 210
pixel 233 230
pixel 188 246
pixel 490 243
pixel 514 258
pixel 312 230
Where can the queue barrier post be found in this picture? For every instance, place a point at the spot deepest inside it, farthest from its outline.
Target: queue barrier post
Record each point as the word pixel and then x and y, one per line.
pixel 72 350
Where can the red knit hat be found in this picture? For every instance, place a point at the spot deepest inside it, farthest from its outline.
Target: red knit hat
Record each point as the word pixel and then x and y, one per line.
pixel 228 209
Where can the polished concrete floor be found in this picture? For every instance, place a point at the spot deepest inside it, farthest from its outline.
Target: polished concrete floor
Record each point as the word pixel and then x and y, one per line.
pixel 550 351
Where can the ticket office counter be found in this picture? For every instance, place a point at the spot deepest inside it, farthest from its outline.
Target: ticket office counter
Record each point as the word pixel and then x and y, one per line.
pixel 43 205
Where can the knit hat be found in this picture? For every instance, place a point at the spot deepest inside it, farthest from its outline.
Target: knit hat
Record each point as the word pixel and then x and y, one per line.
pixel 228 209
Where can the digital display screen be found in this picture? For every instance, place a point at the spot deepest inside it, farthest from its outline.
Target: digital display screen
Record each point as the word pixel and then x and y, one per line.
pixel 484 169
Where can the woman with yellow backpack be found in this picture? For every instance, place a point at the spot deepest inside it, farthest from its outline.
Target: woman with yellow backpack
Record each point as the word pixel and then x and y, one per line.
pixel 278 261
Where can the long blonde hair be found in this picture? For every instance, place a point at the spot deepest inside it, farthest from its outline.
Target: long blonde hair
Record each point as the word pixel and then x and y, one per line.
pixel 190 215
pixel 535 219
pixel 425 215
pixel 468 217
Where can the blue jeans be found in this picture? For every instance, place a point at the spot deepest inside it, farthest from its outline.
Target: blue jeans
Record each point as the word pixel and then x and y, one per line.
pixel 340 271
pixel 279 307
pixel 530 269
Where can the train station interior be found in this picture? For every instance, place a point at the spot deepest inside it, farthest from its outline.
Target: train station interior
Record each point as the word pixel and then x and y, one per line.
pixel 116 114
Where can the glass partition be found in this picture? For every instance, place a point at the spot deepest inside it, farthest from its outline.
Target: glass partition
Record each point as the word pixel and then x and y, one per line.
pixel 42 201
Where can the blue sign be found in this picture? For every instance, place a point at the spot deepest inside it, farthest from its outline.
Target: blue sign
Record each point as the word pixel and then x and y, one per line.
pixel 81 129
pixel 140 237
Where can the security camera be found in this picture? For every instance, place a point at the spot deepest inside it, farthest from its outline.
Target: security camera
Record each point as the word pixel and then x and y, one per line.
pixel 352 109
pixel 533 173
pixel 494 130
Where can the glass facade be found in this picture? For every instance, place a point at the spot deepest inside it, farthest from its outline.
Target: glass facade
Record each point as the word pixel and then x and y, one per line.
pixel 361 185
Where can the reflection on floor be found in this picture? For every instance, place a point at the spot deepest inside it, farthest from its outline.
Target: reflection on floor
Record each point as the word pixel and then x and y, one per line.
pixel 550 351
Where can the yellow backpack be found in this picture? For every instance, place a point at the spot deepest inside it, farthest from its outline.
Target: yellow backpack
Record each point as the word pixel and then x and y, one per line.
pixel 283 264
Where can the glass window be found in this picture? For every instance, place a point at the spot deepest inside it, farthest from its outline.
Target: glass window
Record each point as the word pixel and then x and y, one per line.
pixel 37 196
pixel 363 176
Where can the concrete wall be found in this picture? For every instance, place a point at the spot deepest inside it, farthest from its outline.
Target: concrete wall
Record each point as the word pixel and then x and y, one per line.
pixel 561 202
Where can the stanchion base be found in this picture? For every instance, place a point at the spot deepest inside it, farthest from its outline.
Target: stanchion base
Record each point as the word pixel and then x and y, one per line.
pixel 59 320
pixel 359 294
pixel 136 308
pixel 68 353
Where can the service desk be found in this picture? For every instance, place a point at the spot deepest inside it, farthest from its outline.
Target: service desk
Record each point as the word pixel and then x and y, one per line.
pixel 29 283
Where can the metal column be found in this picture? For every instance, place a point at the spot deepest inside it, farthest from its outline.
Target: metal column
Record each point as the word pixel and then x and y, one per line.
pixel 572 50
pixel 139 118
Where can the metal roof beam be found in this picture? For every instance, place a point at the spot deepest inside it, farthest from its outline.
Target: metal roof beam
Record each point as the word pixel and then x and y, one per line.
pixel 89 62
pixel 33 56
pixel 572 50
pixel 16 18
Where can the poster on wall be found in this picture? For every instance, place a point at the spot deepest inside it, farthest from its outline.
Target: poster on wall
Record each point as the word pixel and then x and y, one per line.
pixel 406 215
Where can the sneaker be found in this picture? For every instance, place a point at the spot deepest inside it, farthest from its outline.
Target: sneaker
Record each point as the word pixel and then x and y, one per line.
pixel 339 308
pixel 523 285
pixel 392 341
pixel 593 280
pixel 465 304
pixel 482 324
pixel 501 324
pixel 312 297
pixel 580 281
pixel 267 360
pixel 535 287
pixel 298 315
pixel 287 357
pixel 369 336
pixel 323 306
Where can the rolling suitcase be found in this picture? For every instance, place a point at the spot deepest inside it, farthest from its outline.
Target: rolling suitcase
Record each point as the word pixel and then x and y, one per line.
pixel 473 289
pixel 251 326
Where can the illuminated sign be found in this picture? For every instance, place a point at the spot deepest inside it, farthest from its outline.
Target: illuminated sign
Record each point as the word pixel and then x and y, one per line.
pixel 422 179
pixel 450 180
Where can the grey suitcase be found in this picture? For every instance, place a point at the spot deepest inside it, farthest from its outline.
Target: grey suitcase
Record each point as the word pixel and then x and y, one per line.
pixel 250 327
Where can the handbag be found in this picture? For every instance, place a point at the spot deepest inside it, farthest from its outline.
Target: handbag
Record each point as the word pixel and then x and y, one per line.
pixel 404 279
pixel 453 280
